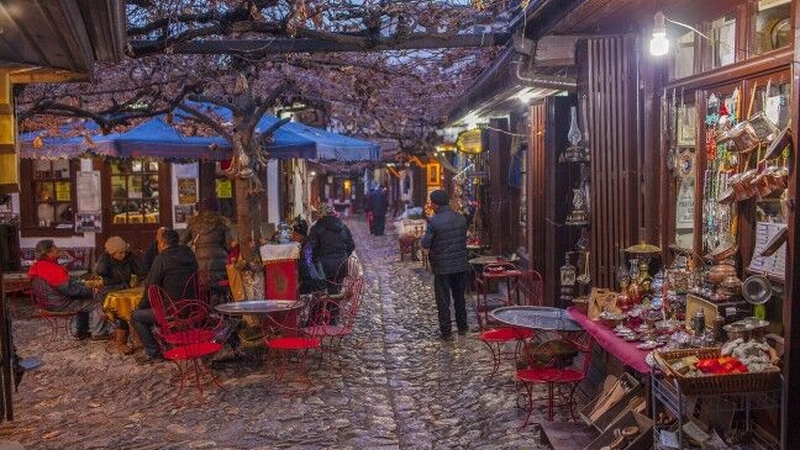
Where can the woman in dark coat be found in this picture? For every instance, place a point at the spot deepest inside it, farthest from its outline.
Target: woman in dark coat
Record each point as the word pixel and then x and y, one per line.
pixel 209 235
pixel 331 244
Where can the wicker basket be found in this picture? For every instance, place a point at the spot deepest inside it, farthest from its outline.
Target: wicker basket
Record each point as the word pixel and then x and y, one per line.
pixel 715 384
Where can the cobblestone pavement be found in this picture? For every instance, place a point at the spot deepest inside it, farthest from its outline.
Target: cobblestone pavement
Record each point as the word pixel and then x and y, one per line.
pixel 394 385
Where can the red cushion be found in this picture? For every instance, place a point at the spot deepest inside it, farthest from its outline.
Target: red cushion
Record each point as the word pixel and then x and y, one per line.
pixel 549 375
pixel 505 334
pixel 293 343
pixel 189 337
pixel 192 351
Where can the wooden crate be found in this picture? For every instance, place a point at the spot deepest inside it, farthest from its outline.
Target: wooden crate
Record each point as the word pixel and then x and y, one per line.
pixel 643 441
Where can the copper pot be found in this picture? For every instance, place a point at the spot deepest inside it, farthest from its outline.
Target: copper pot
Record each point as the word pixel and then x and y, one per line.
pixel 732 285
pixel 720 272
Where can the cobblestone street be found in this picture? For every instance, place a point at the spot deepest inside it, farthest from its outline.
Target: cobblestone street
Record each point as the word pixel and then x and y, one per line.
pixel 394 385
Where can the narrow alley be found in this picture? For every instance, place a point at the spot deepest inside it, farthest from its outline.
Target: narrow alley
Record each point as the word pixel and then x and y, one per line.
pixel 394 385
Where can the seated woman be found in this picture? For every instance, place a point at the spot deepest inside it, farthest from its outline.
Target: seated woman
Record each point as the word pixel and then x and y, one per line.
pixel 61 293
pixel 116 266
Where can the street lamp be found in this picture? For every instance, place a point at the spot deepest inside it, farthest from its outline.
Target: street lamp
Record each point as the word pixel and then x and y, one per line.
pixel 659 44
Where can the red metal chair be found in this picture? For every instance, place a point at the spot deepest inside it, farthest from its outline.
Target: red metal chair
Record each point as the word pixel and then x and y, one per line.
pixel 347 305
pixel 558 362
pixel 56 320
pixel 186 330
pixel 294 341
pixel 530 288
pixel 485 300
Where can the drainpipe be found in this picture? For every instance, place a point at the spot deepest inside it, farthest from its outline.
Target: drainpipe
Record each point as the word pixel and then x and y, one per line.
pixel 543 81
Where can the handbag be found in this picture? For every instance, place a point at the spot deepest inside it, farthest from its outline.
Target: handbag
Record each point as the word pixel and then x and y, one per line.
pixel 315 271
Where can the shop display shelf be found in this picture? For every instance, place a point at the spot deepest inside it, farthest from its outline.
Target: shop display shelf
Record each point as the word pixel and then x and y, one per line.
pixel 667 395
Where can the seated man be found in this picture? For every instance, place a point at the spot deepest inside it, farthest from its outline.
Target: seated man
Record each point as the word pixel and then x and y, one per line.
pixel 61 293
pixel 172 268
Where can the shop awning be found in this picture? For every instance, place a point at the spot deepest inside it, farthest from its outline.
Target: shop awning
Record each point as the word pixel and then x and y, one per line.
pixel 155 138
pixel 327 145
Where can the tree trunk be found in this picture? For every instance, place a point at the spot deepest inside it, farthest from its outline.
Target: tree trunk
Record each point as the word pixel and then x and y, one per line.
pixel 244 223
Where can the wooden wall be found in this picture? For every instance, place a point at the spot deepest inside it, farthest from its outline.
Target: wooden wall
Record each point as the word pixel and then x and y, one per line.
pixel 608 86
pixel 503 207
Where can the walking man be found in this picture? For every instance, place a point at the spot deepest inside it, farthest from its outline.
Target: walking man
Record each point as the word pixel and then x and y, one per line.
pixel 446 239
pixel 378 205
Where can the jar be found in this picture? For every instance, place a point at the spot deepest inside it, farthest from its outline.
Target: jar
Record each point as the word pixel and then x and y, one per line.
pixel 699 322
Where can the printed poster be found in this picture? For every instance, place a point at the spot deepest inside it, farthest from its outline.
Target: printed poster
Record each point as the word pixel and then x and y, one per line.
pixel 224 189
pixel 187 191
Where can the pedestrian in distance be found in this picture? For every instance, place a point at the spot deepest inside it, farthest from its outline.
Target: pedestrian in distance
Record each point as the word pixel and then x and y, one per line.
pixel 378 206
pixel 446 240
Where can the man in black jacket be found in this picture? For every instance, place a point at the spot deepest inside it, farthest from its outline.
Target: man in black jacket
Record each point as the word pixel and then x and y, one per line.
pixel 172 269
pixel 378 204
pixel 446 239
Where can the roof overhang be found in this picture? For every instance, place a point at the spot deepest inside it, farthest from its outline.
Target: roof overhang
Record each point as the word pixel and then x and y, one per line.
pixel 528 66
pixel 66 35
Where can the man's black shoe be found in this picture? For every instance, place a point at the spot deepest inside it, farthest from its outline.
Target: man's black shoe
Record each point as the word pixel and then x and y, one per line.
pixel 82 335
pixel 101 337
pixel 446 337
pixel 463 332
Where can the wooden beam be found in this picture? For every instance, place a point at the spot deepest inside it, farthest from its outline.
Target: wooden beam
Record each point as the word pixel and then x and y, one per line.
pixel 288 45
pixel 791 311
pixel 41 75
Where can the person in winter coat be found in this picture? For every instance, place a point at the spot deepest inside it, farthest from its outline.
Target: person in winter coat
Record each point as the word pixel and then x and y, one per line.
pixel 152 250
pixel 209 235
pixel 378 205
pixel 61 293
pixel 446 239
pixel 117 265
pixel 331 243
pixel 172 269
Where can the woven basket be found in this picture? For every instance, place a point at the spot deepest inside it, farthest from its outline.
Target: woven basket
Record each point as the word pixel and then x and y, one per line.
pixel 715 384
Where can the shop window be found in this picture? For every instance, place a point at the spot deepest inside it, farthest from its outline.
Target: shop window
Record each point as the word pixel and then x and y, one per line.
pixel 723 42
pixel 224 191
pixel 48 203
pixel 134 191
pixel 773 26
pixel 684 56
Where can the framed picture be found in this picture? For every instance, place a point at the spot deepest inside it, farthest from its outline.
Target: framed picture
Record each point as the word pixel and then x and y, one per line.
pixel 686 129
pixel 434 171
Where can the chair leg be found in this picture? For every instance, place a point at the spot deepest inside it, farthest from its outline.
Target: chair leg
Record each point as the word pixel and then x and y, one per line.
pixel 496 350
pixel 550 401
pixel 529 407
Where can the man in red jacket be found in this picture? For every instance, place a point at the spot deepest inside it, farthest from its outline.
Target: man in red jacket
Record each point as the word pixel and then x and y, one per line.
pixel 58 292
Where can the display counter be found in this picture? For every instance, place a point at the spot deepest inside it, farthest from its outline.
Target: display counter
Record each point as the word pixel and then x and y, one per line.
pixel 626 352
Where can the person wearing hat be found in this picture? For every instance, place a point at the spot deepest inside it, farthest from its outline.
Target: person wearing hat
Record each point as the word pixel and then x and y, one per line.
pixel 116 266
pixel 330 243
pixel 446 240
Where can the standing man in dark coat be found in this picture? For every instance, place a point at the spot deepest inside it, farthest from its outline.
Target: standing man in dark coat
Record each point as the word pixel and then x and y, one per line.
pixel 446 239
pixel 173 267
pixel 378 205
pixel 331 243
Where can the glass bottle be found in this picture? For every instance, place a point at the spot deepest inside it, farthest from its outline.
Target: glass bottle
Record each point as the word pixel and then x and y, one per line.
pixel 574 135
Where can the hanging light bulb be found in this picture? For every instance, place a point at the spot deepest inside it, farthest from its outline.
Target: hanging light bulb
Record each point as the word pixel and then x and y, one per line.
pixel 659 44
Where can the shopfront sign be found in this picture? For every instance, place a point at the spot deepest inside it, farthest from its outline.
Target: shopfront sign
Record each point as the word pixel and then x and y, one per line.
pixel 470 142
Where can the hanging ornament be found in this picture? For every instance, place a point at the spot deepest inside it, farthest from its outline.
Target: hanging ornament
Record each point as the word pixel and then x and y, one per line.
pixel 38 142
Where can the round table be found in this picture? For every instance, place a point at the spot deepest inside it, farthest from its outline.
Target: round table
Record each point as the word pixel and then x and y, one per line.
pixel 256 307
pixel 536 318
pixel 484 260
pixel 120 304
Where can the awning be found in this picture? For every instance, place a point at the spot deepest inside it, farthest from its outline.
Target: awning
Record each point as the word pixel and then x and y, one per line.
pixel 155 138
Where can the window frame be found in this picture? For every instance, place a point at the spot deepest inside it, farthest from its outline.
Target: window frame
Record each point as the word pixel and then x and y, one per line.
pixel 28 205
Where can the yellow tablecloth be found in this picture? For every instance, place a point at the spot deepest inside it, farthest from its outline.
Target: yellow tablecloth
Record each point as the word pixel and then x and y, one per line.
pixel 120 304
pixel 134 218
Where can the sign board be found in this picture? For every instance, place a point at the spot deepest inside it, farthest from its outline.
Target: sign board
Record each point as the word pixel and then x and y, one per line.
pixel 470 142
pixel 88 191
pixel 187 191
pixel 775 264
pixel 224 189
